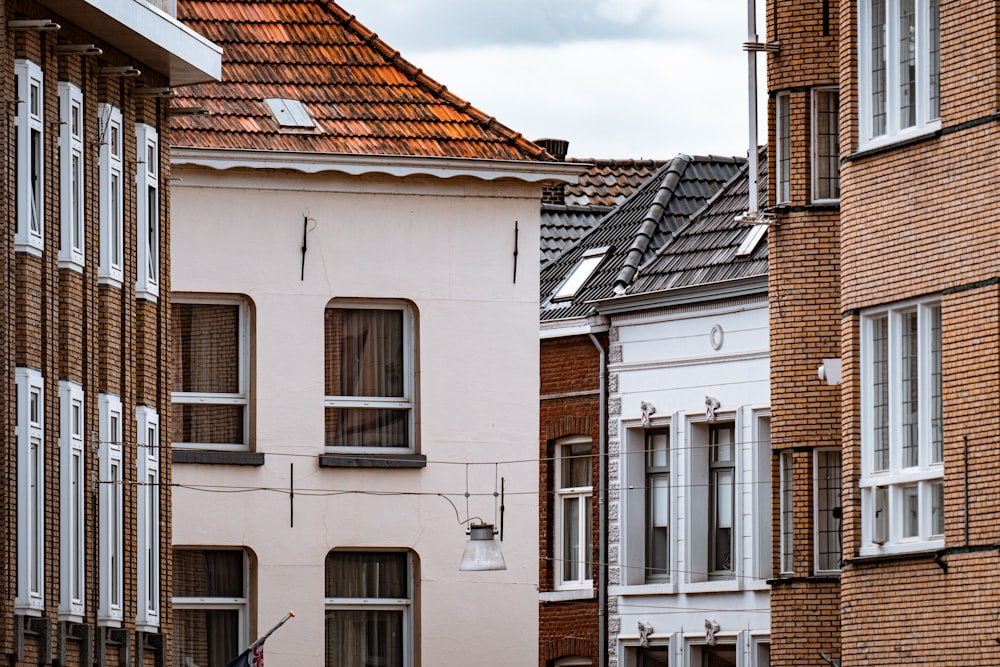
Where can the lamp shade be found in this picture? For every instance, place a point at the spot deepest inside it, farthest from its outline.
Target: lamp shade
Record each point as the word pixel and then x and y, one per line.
pixel 482 552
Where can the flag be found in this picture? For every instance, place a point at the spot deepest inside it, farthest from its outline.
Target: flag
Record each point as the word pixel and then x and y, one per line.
pixel 252 657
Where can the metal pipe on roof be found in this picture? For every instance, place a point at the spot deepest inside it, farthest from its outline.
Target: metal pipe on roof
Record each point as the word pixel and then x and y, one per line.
pixel 752 107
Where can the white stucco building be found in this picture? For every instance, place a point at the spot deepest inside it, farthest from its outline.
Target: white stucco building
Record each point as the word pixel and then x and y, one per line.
pixel 355 355
pixel 689 440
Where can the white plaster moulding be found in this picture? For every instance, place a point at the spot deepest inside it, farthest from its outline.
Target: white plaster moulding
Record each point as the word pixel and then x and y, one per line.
pixel 390 165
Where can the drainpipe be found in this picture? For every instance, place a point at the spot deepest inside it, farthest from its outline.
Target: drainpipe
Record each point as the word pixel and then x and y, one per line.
pixel 602 510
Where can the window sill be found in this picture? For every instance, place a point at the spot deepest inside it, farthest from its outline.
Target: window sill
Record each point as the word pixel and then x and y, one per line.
pixel 217 457
pixel 367 460
pixel 567 595
pixel 885 144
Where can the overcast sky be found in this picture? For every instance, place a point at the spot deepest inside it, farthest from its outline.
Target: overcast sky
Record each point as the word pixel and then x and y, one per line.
pixel 617 78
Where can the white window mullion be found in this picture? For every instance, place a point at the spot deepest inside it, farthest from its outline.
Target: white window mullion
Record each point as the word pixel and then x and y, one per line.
pixel 30 490
pixel 147 517
pixel 110 501
pixel 29 124
pixel 111 198
pixel 71 464
pixel 71 176
pixel 147 212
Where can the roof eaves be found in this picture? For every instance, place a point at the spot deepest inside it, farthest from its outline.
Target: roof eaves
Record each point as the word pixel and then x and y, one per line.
pixel 489 123
pixel 651 222
pixel 717 291
pixel 361 163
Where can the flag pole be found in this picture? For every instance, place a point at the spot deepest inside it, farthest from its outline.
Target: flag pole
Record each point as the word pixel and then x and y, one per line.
pixel 290 614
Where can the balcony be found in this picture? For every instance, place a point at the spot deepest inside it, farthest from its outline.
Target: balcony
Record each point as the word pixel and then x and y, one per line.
pixel 149 32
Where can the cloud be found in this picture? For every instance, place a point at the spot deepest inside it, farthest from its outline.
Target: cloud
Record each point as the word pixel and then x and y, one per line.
pixel 426 24
pixel 610 99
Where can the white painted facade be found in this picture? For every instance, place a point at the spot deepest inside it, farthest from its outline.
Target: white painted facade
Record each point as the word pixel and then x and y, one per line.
pixel 446 247
pixel 672 359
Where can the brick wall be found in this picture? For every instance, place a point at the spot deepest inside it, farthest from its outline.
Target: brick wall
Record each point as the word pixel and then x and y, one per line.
pixel 570 406
pixel 805 323
pixel 63 323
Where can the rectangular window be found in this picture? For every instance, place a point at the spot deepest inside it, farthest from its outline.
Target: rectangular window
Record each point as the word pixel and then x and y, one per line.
pixel 369 376
pixel 826 144
pixel 574 491
pixel 71 509
pixel 112 207
pixel 148 517
pixel 783 144
pixel 899 68
pixel 71 207
pixel 369 609
pixel 211 372
pixel 211 606
pixel 30 426
pixel 787 526
pixel 901 428
pixel 147 212
pixel 111 519
pixel 652 656
pixel 828 510
pixel 29 141
pixel 657 451
pixel 722 471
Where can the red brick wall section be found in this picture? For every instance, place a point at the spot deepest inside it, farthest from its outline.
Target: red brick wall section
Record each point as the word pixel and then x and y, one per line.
pixel 570 406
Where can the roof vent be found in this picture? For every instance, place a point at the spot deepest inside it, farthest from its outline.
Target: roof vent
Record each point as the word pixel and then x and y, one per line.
pixel 290 114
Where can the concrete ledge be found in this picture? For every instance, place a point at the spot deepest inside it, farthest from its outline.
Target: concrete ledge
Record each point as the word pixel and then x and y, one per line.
pixel 218 458
pixel 347 460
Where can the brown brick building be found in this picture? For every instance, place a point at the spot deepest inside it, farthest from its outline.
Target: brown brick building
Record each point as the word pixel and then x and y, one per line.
pixel 913 268
pixel 85 269
pixel 804 266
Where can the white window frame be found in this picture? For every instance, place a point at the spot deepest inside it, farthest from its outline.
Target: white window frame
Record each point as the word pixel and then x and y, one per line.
pixel 72 207
pixel 817 142
pixel 241 604
pixel 148 518
pixel 406 401
pixel 72 556
pixel 242 397
pixel 927 72
pixel 589 262
pixel 715 507
pixel 661 472
pixel 786 516
pixel 583 495
pixel 885 490
pixel 783 146
pixel 404 605
pixel 148 238
pixel 111 508
pixel 819 506
pixel 30 428
pixel 29 124
pixel 112 196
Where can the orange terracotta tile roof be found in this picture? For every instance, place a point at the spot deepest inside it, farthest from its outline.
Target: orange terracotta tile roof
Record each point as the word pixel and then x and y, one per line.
pixel 366 98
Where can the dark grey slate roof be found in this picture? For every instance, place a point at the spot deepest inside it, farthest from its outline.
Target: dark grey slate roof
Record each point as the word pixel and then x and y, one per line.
pixel 562 226
pixel 703 251
pixel 636 230
pixel 605 184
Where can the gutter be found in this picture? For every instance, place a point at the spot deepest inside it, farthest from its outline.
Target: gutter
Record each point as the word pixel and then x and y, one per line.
pixel 602 513
pixel 679 296
pixel 390 165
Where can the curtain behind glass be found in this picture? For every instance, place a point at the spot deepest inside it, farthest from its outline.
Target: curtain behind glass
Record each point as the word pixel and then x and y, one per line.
pixel 364 358
pixel 207 637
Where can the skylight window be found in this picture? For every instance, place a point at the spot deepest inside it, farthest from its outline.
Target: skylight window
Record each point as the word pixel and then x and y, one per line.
pixel 581 274
pixel 751 241
pixel 291 114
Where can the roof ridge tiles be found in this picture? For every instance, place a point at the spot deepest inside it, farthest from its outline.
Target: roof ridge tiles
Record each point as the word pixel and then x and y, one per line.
pixel 436 88
pixel 651 220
